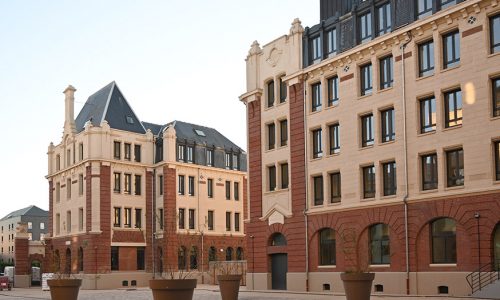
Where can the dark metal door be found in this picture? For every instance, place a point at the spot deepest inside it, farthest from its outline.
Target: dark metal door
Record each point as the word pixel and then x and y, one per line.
pixel 279 267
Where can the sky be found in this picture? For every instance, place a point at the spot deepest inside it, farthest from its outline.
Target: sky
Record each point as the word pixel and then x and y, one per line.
pixel 173 60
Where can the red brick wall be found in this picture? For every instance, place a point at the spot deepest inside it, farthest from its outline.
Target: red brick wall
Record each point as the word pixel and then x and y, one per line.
pixel 255 228
pixel 21 247
pixel 295 229
pixel 51 206
pixel 461 209
pixel 127 236
pixel 88 198
pixel 170 217
pixel 149 221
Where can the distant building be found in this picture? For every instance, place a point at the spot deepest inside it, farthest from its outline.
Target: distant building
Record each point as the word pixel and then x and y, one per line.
pixel 381 120
pixel 125 195
pixel 37 227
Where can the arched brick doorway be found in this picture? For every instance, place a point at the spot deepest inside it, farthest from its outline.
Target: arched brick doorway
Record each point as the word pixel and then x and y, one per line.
pixel 279 261
pixel 36 261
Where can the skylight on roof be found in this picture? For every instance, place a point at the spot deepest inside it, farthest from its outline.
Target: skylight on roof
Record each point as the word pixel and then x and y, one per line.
pixel 199 132
pixel 130 120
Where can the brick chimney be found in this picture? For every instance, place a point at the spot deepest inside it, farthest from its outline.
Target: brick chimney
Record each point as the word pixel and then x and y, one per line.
pixel 69 112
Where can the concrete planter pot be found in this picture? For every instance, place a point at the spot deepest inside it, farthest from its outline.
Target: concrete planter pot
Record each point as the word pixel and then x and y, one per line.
pixel 172 289
pixel 229 286
pixel 357 286
pixel 64 289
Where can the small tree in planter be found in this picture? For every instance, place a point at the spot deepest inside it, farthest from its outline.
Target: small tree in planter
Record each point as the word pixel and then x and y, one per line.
pixel 357 279
pixel 229 276
pixel 63 285
pixel 174 283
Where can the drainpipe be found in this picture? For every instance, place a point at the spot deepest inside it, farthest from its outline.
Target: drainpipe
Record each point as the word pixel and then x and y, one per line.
pixel 153 208
pixel 307 184
pixel 201 232
pixel 405 146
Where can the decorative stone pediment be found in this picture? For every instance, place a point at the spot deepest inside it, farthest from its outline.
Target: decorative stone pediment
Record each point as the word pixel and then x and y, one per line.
pixel 274 56
pixel 276 214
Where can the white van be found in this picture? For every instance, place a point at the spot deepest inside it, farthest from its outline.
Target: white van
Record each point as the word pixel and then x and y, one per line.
pixel 9 272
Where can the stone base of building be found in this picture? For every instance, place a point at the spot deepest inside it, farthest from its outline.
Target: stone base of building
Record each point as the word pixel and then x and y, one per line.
pixel 114 280
pixel 22 281
pixel 394 283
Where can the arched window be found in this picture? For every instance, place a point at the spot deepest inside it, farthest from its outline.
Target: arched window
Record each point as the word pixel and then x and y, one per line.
pixel 57 261
pixel 181 258
pixel 270 93
pixel 212 254
pixel 159 260
pixel 496 247
pixel 444 242
pixel 67 268
pixel 80 259
pixel 229 253
pixel 278 239
pixel 193 258
pixel 327 249
pixel 239 253
pixel 379 244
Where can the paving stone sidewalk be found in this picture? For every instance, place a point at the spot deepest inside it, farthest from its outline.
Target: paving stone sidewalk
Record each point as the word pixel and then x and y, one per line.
pixel 202 292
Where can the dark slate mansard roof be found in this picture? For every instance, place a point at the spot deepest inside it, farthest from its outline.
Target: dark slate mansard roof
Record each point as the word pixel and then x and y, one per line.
pixel 31 210
pixel 109 104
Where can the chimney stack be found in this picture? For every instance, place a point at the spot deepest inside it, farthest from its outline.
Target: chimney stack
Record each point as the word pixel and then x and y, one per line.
pixel 69 104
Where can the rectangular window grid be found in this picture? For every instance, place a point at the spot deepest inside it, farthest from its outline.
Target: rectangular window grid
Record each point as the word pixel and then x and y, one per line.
pixel 427 115
pixel 369 182
pixel 333 91
pixel 367 130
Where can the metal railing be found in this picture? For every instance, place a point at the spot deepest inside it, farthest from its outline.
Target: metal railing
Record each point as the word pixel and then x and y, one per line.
pixel 485 275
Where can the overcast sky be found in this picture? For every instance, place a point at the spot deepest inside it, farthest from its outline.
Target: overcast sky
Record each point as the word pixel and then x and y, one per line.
pixel 173 60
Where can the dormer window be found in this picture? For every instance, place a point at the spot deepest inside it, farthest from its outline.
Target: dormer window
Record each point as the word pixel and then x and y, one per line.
pixel 228 160
pixel 180 152
pixel 190 154
pixel 210 158
pixel 315 48
pixel 129 120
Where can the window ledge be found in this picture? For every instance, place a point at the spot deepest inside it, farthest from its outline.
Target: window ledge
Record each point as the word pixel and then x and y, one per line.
pixel 452 188
pixel 320 109
pixel 337 203
pixel 452 127
pixel 386 89
pixel 380 266
pixel 333 105
pixel 366 147
pixel 266 151
pixel 424 77
pixel 450 68
pixel 389 196
pixel 327 267
pixel 360 97
pixel 429 191
pixel 495 118
pixel 426 133
pixel 283 147
pixel 387 143
pixel 368 199
pixel 496 181
pixel 334 154
pixel 315 159
pixel 493 54
pixel 268 107
pixel 282 103
pixel 442 265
